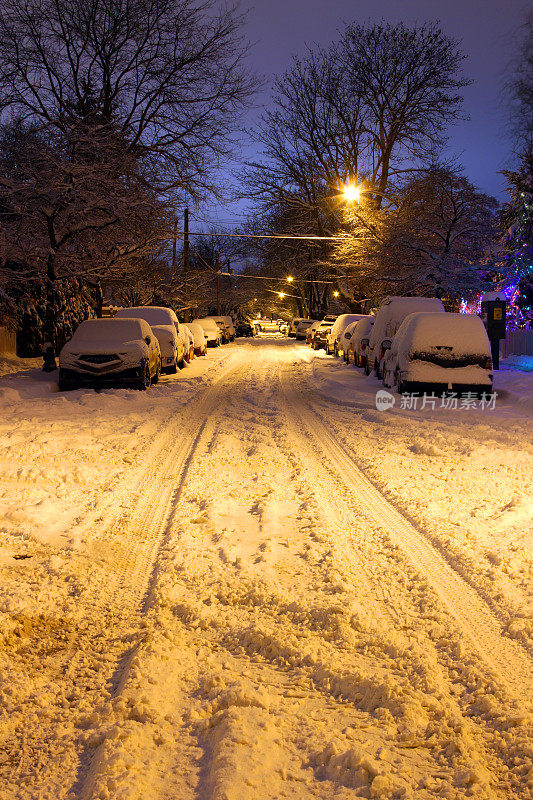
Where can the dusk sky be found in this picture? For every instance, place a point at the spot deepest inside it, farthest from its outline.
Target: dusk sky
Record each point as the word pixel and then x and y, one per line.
pixel 487 29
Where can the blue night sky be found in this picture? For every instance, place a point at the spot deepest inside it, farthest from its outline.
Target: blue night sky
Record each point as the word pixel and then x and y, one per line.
pixel 487 29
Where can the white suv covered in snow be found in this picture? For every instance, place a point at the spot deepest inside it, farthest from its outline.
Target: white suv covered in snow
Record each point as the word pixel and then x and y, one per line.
pixel 212 331
pixel 388 319
pixel 110 351
pixel 163 321
pixel 335 342
pixel 439 353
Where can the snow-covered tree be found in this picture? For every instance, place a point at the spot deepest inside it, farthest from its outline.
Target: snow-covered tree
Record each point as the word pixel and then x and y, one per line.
pixel 126 105
pixel 518 222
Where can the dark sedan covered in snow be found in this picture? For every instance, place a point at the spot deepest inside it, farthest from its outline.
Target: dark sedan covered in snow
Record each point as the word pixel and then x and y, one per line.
pixel 110 351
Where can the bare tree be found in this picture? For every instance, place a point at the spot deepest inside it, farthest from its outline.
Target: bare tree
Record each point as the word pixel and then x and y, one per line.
pixel 167 75
pixel 519 89
pixel 370 108
pixel 124 105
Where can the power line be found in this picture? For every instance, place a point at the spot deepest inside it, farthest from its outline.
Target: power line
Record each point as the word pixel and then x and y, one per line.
pixel 311 238
pixel 267 278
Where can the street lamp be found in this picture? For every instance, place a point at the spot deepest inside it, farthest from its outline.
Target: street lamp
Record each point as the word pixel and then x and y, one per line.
pixel 351 193
pixel 281 295
pixel 335 294
pixel 289 279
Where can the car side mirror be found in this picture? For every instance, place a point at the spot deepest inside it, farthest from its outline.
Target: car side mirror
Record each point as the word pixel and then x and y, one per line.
pixel 148 340
pixel 365 342
pixel 386 344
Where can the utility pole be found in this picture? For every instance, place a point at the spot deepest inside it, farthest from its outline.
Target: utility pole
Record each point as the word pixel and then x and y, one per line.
pixel 186 240
pixel 174 245
pixel 217 258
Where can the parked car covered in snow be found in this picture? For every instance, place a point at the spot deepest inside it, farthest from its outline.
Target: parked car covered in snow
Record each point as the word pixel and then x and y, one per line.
pixel 214 334
pixel 439 353
pixel 320 334
pixel 107 351
pixel 199 338
pixel 335 341
pixel 302 328
pixel 355 352
pixel 310 331
pixel 244 329
pixel 294 324
pixel 163 322
pixel 187 338
pixel 388 319
pixel 226 326
pixel 231 327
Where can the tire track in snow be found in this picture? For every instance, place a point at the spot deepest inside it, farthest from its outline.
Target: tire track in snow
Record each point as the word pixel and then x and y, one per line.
pixel 507 659
pixel 147 529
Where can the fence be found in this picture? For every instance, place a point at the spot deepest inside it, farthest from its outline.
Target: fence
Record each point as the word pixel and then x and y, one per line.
pixel 517 343
pixel 8 341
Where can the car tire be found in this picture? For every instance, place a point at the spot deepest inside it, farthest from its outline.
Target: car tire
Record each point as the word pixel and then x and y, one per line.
pixel 367 368
pixel 145 380
pixel 62 383
pixel 400 386
pixel 181 362
pixel 173 368
pixel 157 374
pixel 377 370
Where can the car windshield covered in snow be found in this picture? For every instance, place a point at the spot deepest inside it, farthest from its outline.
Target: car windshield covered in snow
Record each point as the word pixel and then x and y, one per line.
pixel 114 331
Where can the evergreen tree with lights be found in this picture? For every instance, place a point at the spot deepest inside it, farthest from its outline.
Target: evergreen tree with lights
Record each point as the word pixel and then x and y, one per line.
pixel 518 220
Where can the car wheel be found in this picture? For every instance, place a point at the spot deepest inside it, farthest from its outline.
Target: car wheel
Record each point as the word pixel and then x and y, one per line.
pixel 377 370
pixel 62 383
pixel 145 380
pixel 399 383
pixel 367 368
pixel 155 379
pixel 173 368
pixel 181 362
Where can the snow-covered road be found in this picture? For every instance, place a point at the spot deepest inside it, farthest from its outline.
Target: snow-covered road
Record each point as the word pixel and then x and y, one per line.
pixel 249 584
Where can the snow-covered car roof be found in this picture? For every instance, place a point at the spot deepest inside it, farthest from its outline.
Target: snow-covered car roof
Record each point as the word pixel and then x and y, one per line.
pixel 207 322
pixel 464 333
pixel 390 315
pixel 342 322
pixel 154 315
pixel 363 326
pixel 197 332
pixel 110 331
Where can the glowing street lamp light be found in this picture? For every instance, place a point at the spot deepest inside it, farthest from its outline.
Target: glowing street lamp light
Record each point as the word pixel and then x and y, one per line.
pixel 281 295
pixel 351 193
pixel 289 279
pixel 335 294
